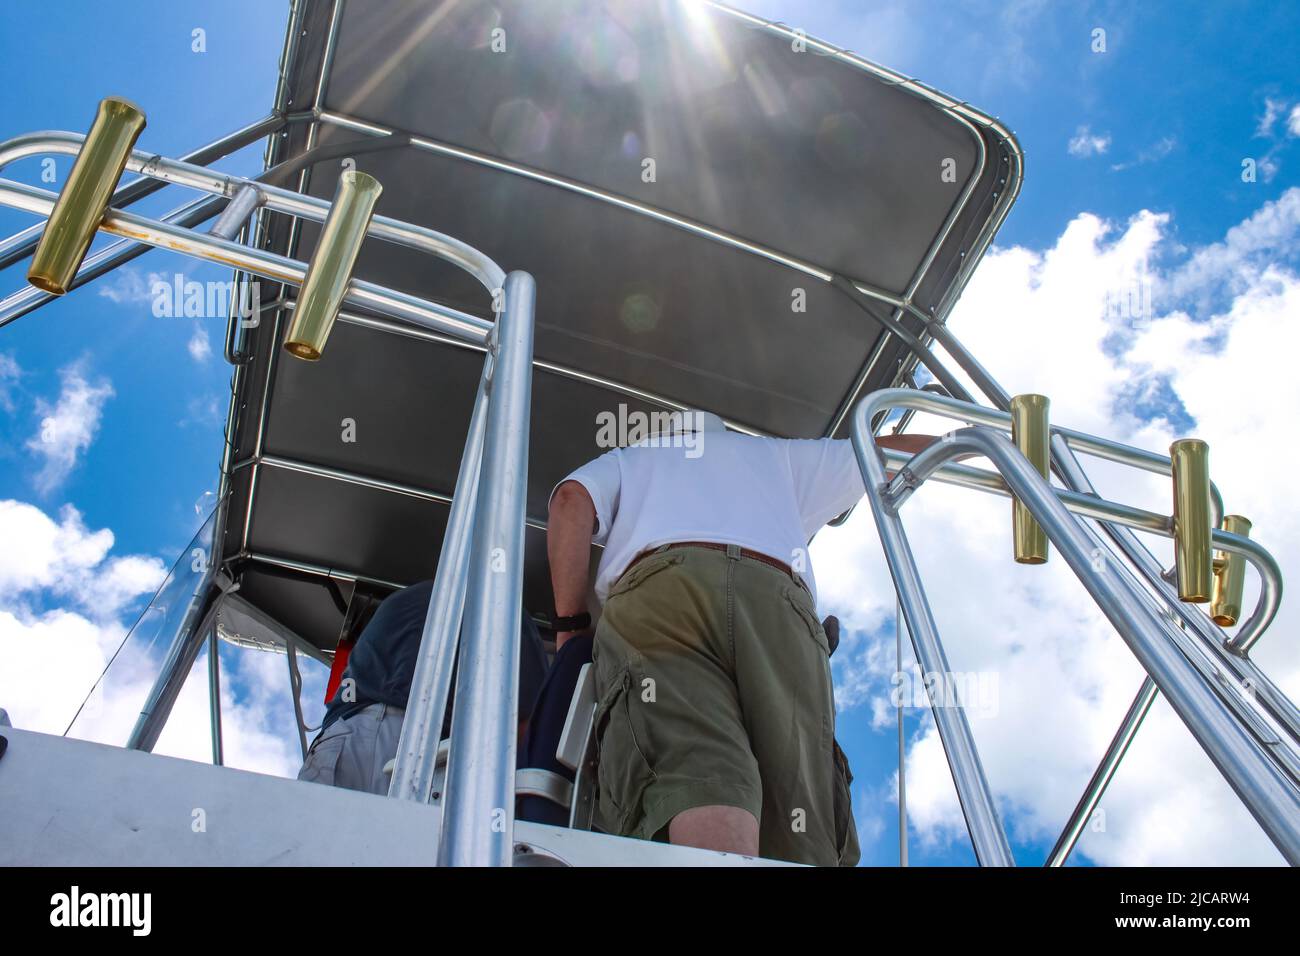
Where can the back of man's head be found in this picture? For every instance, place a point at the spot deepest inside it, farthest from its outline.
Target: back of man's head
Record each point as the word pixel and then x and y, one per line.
pixel 694 421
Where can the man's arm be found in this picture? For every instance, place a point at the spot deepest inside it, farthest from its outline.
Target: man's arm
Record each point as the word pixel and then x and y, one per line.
pixel 569 527
pixel 912 444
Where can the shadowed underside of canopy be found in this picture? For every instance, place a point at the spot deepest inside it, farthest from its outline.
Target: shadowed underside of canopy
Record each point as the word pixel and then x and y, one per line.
pixel 682 180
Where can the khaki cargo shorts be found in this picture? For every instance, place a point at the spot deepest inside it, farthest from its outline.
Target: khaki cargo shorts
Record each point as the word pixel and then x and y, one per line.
pixel 714 688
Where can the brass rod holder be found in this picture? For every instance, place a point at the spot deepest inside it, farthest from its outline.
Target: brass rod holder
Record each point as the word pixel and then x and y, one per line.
pixel 1032 435
pixel 1192 522
pixel 85 196
pixel 330 271
pixel 1229 577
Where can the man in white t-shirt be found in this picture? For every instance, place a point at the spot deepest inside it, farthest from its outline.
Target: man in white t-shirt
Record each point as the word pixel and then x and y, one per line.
pixel 715 720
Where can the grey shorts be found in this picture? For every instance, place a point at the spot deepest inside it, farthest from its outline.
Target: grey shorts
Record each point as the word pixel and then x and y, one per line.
pixel 351 752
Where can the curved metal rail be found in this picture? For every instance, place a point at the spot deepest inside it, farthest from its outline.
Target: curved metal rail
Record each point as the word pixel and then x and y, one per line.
pixel 1268 791
pixel 1089 505
pixel 1213 648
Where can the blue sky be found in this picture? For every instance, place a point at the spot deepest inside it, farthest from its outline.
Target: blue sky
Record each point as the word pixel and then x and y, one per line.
pixel 150 471
pixel 160 443
pixel 1160 121
pixel 1194 74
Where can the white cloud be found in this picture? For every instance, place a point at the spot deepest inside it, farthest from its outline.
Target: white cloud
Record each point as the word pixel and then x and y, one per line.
pixel 68 426
pixel 1268 166
pixel 1272 110
pixel 204 411
pixel 1239 262
pixel 1065 678
pixel 1087 143
pixel 1152 154
pixel 67 559
pixel 129 286
pixel 1013 43
pixel 51 658
pixel 10 373
pixel 199 347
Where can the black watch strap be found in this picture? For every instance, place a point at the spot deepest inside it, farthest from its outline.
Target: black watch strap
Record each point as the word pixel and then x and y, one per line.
pixel 574 622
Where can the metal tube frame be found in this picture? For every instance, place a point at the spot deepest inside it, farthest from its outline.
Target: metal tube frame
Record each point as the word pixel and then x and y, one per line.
pixel 478 807
pixel 185 643
pixel 1230 652
pixel 902 739
pixel 486 705
pixel 175 669
pixel 415 765
pixel 1118 519
pixel 317 570
pixel 261 262
pixel 933 324
pixel 22 244
pixel 987 835
pixel 1266 789
pixel 217 246
pixel 1089 504
pixel 29 298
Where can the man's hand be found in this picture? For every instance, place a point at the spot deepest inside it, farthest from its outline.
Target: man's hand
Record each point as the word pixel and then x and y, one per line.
pixel 569 528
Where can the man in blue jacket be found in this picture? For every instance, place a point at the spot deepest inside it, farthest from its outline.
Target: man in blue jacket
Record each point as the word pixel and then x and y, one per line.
pixel 363 721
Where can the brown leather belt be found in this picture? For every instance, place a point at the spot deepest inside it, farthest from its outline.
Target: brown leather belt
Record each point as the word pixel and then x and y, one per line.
pixel 714 546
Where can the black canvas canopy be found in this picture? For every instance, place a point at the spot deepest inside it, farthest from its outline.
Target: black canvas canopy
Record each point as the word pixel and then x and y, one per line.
pixel 690 187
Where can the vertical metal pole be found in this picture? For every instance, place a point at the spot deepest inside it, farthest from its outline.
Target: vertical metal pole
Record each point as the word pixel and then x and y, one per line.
pixel 186 640
pixel 171 677
pixel 214 695
pixel 986 833
pixel 416 764
pixel 902 749
pixel 478 807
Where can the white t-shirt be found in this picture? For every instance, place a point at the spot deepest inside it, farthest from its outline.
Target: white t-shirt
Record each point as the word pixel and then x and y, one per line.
pixel 770 495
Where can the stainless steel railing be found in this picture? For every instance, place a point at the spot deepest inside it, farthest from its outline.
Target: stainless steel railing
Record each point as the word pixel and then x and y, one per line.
pixel 367 295
pixel 480 571
pixel 1260 777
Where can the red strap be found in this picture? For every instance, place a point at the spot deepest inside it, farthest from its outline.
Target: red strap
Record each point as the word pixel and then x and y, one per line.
pixel 341 654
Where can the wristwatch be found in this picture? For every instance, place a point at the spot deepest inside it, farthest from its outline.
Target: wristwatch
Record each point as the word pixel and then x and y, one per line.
pixel 574 622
